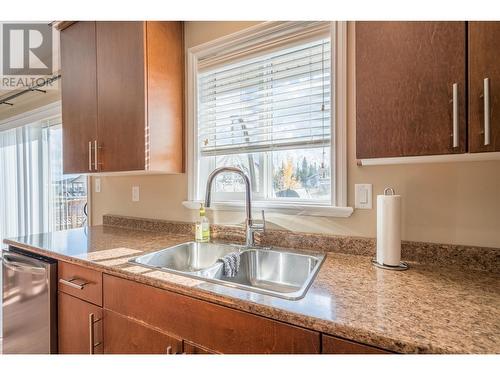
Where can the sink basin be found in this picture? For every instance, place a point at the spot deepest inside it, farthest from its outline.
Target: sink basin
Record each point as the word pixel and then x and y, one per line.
pixel 189 257
pixel 278 272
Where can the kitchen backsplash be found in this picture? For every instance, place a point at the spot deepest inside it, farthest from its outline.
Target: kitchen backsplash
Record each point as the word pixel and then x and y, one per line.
pixel 464 257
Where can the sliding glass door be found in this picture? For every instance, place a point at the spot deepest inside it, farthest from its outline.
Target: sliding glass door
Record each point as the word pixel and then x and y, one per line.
pixel 68 193
pixel 35 195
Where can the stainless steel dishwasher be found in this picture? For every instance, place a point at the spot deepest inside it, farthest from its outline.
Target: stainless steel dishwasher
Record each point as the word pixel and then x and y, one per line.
pixel 29 303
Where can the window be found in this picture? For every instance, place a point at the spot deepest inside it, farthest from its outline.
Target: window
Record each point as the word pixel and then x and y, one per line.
pixel 35 196
pixel 263 102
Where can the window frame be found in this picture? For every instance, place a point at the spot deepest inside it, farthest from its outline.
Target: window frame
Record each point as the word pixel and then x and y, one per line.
pixel 338 158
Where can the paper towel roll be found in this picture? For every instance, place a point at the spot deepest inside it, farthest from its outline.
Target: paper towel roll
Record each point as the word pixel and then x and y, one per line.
pixel 389 228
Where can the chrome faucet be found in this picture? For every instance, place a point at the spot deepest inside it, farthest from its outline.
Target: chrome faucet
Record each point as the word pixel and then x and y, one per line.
pixel 251 227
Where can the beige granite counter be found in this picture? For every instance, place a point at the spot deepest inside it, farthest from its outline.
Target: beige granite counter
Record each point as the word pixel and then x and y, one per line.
pixel 427 309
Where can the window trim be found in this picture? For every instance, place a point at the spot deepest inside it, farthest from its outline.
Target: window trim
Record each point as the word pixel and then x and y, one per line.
pixel 338 206
pixel 37 114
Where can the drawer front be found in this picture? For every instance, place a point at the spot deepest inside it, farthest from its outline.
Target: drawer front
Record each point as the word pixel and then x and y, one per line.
pixel 211 326
pixel 125 336
pixel 335 345
pixel 80 282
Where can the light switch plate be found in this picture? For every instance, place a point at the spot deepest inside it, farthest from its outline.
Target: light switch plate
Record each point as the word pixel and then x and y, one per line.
pixel 97 185
pixel 363 196
pixel 135 193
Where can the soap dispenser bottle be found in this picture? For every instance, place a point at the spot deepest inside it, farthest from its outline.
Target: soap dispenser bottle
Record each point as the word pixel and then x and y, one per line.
pixel 202 231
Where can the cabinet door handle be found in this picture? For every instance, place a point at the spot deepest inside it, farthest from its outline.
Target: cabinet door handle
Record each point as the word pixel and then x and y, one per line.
pixel 455 115
pixel 96 154
pixel 90 155
pixel 92 345
pixel 486 96
pixel 71 283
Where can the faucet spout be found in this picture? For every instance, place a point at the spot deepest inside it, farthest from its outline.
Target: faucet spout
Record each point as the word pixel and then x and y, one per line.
pixel 248 188
pixel 250 227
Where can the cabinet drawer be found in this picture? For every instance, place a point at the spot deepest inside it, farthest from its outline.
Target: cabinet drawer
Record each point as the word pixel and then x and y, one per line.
pixel 335 345
pixel 125 336
pixel 211 326
pixel 80 282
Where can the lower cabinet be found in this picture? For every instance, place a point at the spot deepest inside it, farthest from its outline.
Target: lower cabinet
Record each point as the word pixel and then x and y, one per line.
pixel 190 348
pixel 335 345
pixel 141 319
pixel 79 325
pixel 125 336
pixel 212 327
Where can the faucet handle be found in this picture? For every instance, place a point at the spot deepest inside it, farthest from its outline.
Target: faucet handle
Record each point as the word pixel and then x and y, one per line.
pixel 259 227
pixel 262 226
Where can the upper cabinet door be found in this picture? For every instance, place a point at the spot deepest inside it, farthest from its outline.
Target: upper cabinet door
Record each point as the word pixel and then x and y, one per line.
pixel 79 92
pixel 121 82
pixel 484 86
pixel 405 74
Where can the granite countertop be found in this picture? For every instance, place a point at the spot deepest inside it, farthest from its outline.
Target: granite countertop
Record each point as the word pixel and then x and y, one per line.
pixel 427 309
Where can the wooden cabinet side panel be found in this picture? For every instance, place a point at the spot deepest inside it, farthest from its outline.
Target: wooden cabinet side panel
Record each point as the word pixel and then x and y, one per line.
pixel 218 328
pixel 121 93
pixel 165 80
pixel 73 325
pixel 124 336
pixel 335 345
pixel 79 95
pixel 484 62
pixel 404 77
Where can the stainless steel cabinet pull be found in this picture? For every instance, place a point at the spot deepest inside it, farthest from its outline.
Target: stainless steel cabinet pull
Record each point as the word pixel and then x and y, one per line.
pixel 90 156
pixel 455 115
pixel 72 284
pixel 486 97
pixel 92 345
pixel 96 154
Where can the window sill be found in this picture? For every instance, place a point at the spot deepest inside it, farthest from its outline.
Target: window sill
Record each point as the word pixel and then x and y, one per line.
pixel 283 208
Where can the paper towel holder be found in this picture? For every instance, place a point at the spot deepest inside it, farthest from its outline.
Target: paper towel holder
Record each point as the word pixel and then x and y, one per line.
pixel 389 191
pixel 403 266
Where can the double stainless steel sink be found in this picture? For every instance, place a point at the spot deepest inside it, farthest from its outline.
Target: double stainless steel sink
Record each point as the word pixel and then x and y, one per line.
pixel 276 272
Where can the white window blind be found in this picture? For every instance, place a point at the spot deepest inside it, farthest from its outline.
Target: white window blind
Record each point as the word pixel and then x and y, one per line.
pixel 279 100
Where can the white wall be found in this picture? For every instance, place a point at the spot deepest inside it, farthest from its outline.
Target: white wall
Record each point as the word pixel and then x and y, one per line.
pixel 444 203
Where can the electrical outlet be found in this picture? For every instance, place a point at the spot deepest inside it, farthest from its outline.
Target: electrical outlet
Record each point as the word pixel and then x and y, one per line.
pixel 135 193
pixel 97 185
pixel 363 196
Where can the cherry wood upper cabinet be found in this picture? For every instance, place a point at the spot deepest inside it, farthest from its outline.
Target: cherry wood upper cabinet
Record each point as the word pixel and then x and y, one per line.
pixel 405 73
pixel 121 83
pixel 79 92
pixel 484 76
pixel 139 72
